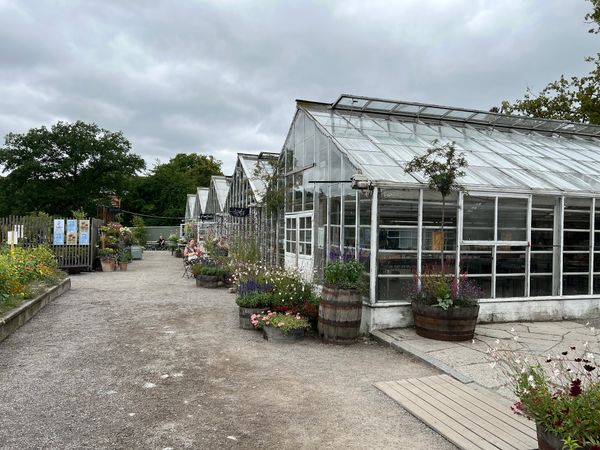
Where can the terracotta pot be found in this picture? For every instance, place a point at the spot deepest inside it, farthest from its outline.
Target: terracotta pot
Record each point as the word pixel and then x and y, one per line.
pixel 108 265
pixel 123 266
pixel 276 335
pixel 453 324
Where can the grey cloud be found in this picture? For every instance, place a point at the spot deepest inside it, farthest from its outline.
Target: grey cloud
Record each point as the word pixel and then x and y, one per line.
pixel 219 77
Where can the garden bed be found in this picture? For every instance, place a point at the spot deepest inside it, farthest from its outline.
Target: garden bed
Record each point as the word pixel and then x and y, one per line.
pixel 17 317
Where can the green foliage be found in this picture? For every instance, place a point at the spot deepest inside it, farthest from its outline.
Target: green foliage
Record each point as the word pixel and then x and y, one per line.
pixel 173 237
pixel 124 255
pixel 161 192
pixel 19 273
pixel 107 253
pixel 441 165
pixel 210 270
pixel 139 230
pixel 256 300
pixel 64 168
pixel 563 396
pixel 443 289
pixel 243 250
pixel 284 322
pixel 79 214
pixel 344 275
pixel 576 99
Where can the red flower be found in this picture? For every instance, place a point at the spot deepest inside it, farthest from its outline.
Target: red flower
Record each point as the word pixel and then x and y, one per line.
pixel 575 387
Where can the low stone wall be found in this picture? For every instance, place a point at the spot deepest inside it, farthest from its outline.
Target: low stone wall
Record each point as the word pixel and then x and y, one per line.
pixel 29 308
pixel 542 309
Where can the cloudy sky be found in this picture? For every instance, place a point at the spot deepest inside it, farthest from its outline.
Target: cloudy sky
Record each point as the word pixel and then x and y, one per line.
pixel 220 77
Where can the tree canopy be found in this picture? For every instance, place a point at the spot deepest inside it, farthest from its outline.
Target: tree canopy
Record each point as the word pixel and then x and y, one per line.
pixel 64 168
pixel 575 99
pixel 162 192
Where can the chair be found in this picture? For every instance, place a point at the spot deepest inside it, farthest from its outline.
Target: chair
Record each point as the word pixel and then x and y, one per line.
pixel 187 267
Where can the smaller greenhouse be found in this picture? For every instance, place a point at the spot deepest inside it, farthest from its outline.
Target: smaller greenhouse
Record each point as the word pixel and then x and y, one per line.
pixel 526 226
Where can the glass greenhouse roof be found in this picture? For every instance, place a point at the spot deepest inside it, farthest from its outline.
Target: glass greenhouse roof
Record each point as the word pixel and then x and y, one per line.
pixel 202 194
pixel 221 185
pixel 503 152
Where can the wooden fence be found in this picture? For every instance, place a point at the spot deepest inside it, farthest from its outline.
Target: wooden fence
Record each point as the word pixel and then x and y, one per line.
pixel 36 231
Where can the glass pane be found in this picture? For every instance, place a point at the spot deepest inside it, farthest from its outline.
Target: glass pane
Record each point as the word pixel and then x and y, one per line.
pixel 512 219
pixel 540 285
pixel 476 260
pixel 576 262
pixel 433 260
pixel 575 284
pixel 478 219
pixel 510 286
pixel 510 262
pixel 398 239
pixel 365 208
pixel 542 218
pixel 432 240
pixel 577 240
pixel 334 213
pixel 577 214
pixel 397 212
pixel 542 240
pixel 397 263
pixel 485 284
pixel 596 284
pixel 394 288
pixel 541 262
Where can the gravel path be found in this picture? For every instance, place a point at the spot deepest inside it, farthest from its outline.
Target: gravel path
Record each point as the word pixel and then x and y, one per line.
pixel 144 359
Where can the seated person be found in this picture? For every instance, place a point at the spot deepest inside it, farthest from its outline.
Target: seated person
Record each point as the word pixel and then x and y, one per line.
pixel 191 251
pixel 161 242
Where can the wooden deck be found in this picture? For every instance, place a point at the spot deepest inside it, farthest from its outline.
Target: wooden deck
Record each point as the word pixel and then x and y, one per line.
pixel 468 417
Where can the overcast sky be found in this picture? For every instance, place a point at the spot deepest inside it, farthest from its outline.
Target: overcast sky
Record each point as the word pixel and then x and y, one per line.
pixel 220 77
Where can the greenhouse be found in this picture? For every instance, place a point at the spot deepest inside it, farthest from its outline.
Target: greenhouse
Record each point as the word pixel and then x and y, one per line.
pixel 525 225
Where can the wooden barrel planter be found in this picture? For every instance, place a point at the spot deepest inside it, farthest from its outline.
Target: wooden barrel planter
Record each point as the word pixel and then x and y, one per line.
pixel 208 281
pixel 245 314
pixel 276 335
pixel 340 312
pixel 454 324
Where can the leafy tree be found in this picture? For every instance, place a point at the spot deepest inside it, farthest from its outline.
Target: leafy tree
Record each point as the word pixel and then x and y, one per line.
pixel 162 192
pixel 443 167
pixel 64 168
pixel 575 99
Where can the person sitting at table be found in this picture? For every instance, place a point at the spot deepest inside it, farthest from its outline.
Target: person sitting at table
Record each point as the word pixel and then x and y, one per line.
pixel 160 244
pixel 191 251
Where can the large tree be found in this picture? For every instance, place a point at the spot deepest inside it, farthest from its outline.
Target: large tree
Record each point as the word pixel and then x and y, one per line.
pixel 576 99
pixel 66 167
pixel 163 191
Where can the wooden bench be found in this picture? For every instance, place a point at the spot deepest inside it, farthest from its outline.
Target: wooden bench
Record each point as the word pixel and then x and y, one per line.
pixel 468 416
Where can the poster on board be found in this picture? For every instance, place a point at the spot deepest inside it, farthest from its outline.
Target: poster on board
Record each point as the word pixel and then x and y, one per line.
pixel 84 232
pixel 59 232
pixel 71 231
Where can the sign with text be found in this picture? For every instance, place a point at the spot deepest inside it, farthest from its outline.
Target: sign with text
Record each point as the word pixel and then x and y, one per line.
pixel 72 232
pixel 239 212
pixel 59 232
pixel 84 232
pixel 207 217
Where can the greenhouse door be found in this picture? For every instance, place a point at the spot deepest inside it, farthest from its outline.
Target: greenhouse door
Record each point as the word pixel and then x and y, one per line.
pixel 298 243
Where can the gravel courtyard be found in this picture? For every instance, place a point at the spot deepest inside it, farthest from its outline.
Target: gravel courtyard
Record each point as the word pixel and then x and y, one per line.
pixel 145 360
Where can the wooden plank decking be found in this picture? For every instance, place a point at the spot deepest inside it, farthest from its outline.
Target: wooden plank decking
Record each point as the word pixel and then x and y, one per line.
pixel 467 417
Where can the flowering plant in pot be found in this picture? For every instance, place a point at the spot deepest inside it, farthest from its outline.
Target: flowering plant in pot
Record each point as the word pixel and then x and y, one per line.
pixel 108 258
pixel 252 303
pixel 123 258
pixel 560 392
pixel 445 307
pixel 280 326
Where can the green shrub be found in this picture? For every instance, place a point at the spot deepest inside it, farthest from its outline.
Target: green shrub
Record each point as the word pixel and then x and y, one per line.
pixel 214 271
pixel 344 275
pixel 256 300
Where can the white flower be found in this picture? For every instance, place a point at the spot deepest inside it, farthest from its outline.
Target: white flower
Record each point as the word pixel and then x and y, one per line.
pixel 497 341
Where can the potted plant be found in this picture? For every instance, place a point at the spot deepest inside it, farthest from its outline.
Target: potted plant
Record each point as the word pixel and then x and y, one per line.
pixel 561 395
pixel 445 307
pixel 107 259
pixel 252 304
pixel 210 276
pixel 281 327
pixel 340 309
pixel 123 258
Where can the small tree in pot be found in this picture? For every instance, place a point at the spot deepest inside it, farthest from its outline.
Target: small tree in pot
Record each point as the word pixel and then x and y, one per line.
pixel 340 309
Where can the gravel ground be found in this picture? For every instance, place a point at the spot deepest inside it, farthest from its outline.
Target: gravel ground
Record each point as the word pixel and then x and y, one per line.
pixel 144 359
